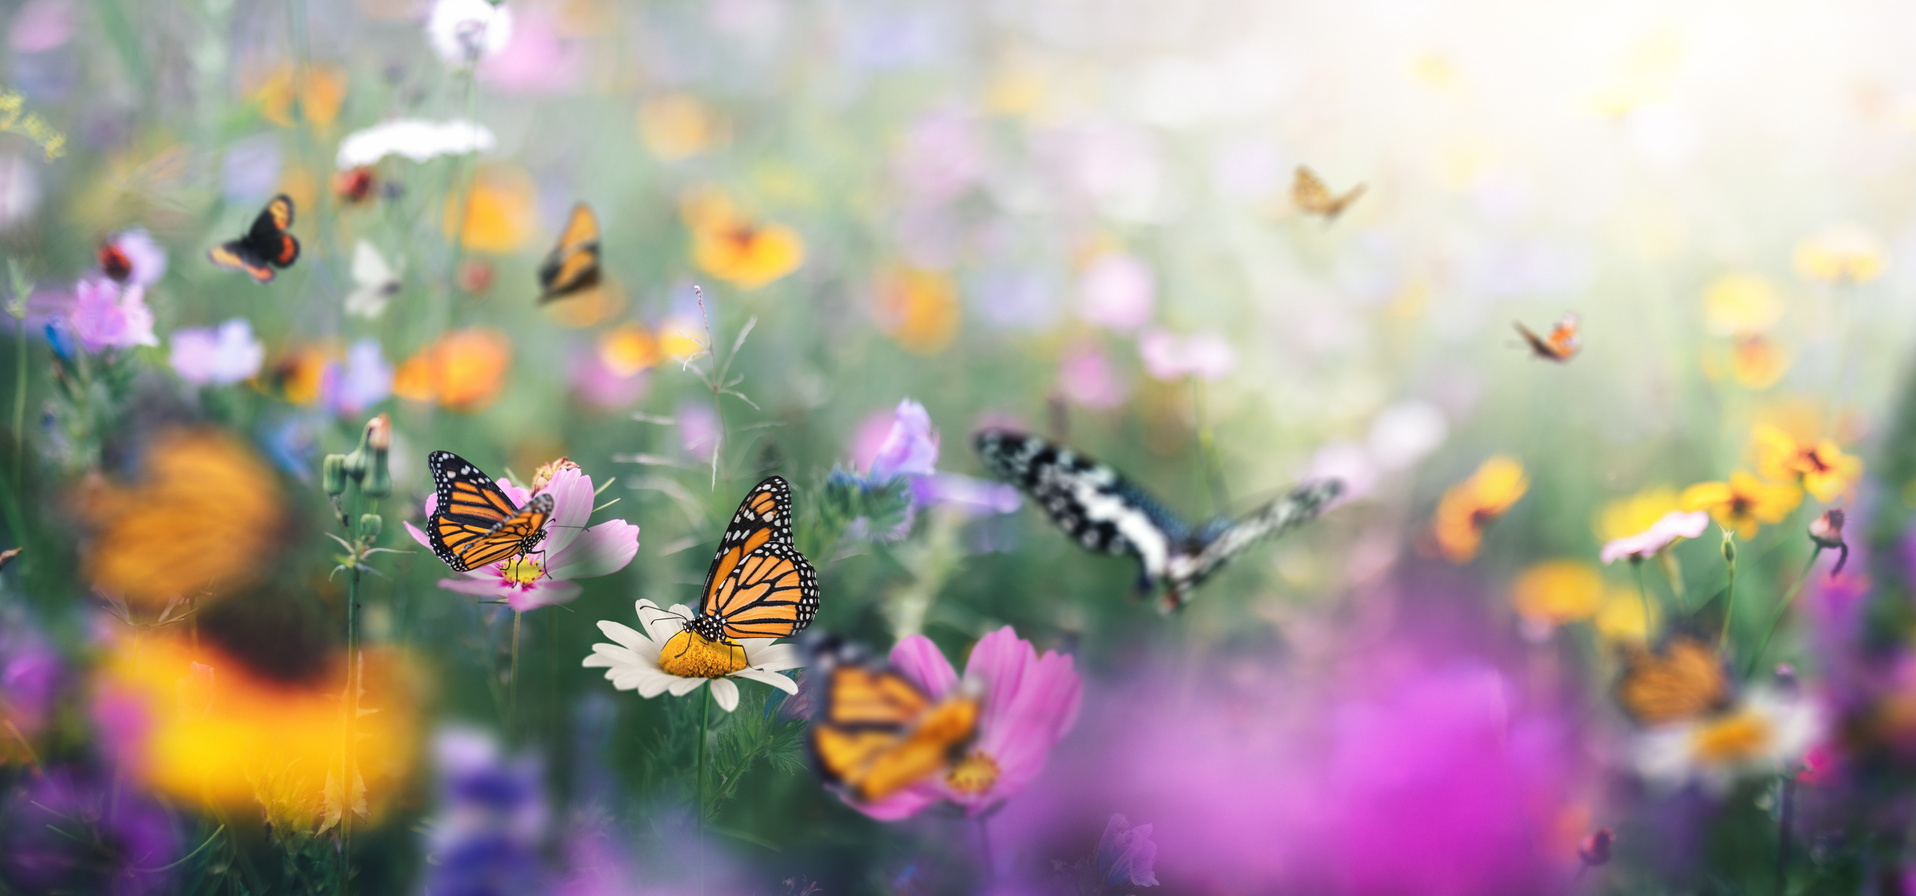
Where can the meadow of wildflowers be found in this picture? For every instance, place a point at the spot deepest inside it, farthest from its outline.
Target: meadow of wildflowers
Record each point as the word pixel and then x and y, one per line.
pixel 383 375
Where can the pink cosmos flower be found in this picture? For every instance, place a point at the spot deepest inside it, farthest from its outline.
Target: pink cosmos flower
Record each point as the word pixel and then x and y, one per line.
pixel 104 316
pixel 570 550
pixel 1168 356
pixel 1661 534
pixel 1087 378
pixel 205 357
pixel 1116 291
pixel 145 259
pixel 1029 703
pixel 598 385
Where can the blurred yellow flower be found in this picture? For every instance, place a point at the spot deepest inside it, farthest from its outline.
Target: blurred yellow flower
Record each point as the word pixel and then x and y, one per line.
pixel 1470 506
pixel 205 518
pixel 1843 253
pixel 464 370
pixel 1825 471
pixel 1757 362
pixel 678 126
pixel 319 95
pixel 1743 504
pixel 206 730
pixel 681 337
pixel 1741 303
pixel 1633 515
pixel 1620 619
pixel 918 310
pixel 499 207
pixel 747 255
pixel 1556 592
pixel 628 349
pixel 297 376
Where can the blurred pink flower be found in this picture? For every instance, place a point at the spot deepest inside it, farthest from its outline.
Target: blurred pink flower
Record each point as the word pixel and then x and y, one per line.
pixel 1116 291
pixel 941 157
pixel 1086 377
pixel 1661 534
pixel 698 429
pixel 910 448
pixel 537 59
pixel 603 388
pixel 570 550
pixel 1168 356
pixel 209 357
pixel 145 259
pixel 363 380
pixel 104 316
pixel 1029 703
pixel 41 26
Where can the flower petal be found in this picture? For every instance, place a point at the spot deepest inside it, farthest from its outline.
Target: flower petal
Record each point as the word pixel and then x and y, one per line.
pixel 726 693
pixel 682 686
pixel 571 492
pixel 601 550
pixel 918 659
pixel 903 804
pixel 543 593
pixel 624 634
pixel 762 654
pixel 417 534
pixel 491 587
pixel 782 682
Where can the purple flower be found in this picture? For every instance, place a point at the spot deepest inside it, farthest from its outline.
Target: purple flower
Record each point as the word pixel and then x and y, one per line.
pixel 42 25
pixel 207 357
pixel 492 817
pixel 29 679
pixel 570 550
pixel 1116 291
pixel 910 449
pixel 1168 356
pixel 1029 702
pixel 72 831
pixel 104 316
pixel 1126 854
pixel 601 387
pixel 365 379
pixel 1086 377
pixel 144 259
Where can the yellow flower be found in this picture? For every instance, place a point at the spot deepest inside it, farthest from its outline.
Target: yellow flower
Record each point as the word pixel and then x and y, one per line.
pixel 1739 303
pixel 1621 621
pixel 1757 361
pixel 464 370
pixel 1555 592
pixel 681 337
pixel 628 349
pixel 1843 253
pixel 919 310
pixel 1470 506
pixel 319 96
pixel 747 255
pixel 498 210
pixel 1744 503
pixel 1826 472
pixel 678 126
pixel 1625 517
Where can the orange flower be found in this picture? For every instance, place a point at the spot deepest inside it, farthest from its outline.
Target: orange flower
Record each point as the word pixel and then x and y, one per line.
pixel 1743 504
pixel 1470 506
pixel 919 310
pixel 733 248
pixel 319 96
pixel 499 210
pixel 1757 361
pixel 678 126
pixel 464 370
pixel 628 349
pixel 1823 468
pixel 1556 592
pixel 297 376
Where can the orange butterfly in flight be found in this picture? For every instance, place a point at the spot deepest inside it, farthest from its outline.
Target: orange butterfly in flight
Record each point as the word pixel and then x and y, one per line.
pixel 265 246
pixel 876 733
pixel 1309 194
pixel 1561 345
pixel 573 265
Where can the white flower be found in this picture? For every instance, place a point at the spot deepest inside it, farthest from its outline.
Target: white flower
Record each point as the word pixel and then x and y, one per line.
pixel 465 31
pixel 1758 736
pixel 413 138
pixel 1667 530
pixel 668 658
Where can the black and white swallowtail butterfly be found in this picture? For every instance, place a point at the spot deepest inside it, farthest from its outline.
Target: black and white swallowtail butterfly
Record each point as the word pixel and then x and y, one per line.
pixel 1104 512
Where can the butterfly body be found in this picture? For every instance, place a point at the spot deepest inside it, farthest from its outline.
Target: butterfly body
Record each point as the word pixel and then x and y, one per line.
pixel 759 585
pixel 573 265
pixel 1105 513
pixel 1562 343
pixel 1312 196
pixel 114 263
pixel 876 732
pixel 265 246
pixel 474 523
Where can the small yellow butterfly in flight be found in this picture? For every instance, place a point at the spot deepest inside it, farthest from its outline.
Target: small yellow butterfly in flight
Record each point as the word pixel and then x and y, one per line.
pixel 573 265
pixel 1312 197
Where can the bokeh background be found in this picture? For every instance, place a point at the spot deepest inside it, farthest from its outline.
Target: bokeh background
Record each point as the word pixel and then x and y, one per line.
pixel 1074 217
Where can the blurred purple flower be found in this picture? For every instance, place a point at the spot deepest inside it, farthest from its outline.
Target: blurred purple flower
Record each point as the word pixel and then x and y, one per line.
pixel 1086 377
pixel 537 59
pixel 208 357
pixel 570 550
pixel 42 25
pixel 698 429
pixel 145 258
pixel 1170 357
pixel 1116 291
pixel 363 380
pixel 250 171
pixel 910 449
pixel 603 388
pixel 492 818
pixel 1126 854
pixel 104 316
pixel 1029 702
pixel 941 157
pixel 1016 298
pixel 74 831
pixel 29 678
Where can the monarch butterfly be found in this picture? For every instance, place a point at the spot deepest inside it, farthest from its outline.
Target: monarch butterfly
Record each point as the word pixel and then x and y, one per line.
pixel 876 732
pixel 265 246
pixel 759 585
pixel 1104 512
pixel 573 265
pixel 1560 346
pixel 1310 195
pixel 475 524
pixel 1682 680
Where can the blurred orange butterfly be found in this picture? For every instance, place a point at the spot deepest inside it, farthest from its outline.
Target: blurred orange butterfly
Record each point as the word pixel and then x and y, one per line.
pixel 1683 680
pixel 1310 195
pixel 265 246
pixel 475 524
pixel 1561 345
pixel 573 265
pixel 876 733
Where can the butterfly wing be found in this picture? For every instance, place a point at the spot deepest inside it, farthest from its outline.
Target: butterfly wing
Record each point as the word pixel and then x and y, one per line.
pixel 1094 505
pixel 235 256
pixel 1565 337
pixel 1197 560
pixel 876 733
pixel 474 523
pixel 759 585
pixel 1309 193
pixel 573 265
pixel 1682 681
pixel 265 246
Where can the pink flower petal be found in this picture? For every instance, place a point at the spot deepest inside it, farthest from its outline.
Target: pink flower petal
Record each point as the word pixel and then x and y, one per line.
pixel 571 492
pixel 601 550
pixel 998 662
pixel 918 659
pixel 903 804
pixel 489 587
pixel 543 593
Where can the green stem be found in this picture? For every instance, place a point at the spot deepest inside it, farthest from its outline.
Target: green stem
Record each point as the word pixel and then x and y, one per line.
pixel 1207 450
pixel 351 708
pixel 1643 593
pixel 1784 811
pixel 1729 607
pixel 19 403
pixel 512 679
pixel 1781 608
pixel 705 728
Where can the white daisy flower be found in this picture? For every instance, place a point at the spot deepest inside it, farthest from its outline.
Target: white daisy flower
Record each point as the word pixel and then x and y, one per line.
pixel 669 658
pixel 414 138
pixel 463 32
pixel 1761 734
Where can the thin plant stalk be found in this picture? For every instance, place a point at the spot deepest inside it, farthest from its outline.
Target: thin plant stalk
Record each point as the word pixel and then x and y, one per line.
pixel 1785 808
pixel 698 806
pixel 984 848
pixel 1643 594
pixel 512 679
pixel 1207 450
pixel 20 399
pixel 351 709
pixel 1782 607
pixel 1729 604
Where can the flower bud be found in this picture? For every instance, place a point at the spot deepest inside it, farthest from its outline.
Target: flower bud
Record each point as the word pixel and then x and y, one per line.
pixel 332 474
pixel 1595 849
pixel 1827 530
pixel 356 464
pixel 379 433
pixel 1729 547
pixel 369 525
pixel 542 477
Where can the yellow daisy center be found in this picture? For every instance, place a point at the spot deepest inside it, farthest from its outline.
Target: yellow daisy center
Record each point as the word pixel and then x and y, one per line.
pixel 689 655
pixel 521 571
pixel 1735 738
pixel 974 774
